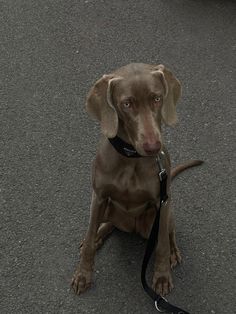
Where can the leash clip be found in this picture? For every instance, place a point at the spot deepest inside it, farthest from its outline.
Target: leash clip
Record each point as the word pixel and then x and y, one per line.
pixel 162 175
pixel 162 171
pixel 158 309
pixel 163 311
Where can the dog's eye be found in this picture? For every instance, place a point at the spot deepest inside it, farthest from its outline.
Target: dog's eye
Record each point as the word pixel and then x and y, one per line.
pixel 157 99
pixel 126 105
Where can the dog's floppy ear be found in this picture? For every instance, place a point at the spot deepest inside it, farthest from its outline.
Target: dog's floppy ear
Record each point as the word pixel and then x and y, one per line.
pixel 172 92
pixel 99 105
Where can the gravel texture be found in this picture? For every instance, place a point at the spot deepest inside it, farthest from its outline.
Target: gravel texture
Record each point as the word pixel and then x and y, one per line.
pixel 51 53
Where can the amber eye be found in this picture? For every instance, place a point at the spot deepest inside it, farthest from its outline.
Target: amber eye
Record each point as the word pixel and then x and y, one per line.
pixel 126 104
pixel 157 99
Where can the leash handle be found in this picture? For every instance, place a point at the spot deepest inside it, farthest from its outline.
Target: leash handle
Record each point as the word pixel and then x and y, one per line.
pixel 159 301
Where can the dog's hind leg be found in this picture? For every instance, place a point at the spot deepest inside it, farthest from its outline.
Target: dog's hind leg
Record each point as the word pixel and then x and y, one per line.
pixel 103 232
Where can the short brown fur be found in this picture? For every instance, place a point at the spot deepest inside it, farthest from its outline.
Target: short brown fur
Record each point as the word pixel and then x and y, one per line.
pixel 132 103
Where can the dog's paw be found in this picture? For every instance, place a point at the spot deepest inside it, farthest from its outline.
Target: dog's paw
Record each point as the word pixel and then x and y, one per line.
pixel 162 282
pixel 81 281
pixel 175 257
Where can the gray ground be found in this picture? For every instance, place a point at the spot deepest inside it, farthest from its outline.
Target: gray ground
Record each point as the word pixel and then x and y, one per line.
pixel 51 53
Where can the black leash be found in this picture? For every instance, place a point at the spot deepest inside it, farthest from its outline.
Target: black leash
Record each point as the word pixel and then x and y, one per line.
pixel 161 304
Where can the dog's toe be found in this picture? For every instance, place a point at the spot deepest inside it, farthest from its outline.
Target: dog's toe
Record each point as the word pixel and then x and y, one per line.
pixel 81 282
pixel 162 282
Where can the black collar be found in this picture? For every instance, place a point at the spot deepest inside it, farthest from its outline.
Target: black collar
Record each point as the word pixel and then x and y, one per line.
pixel 124 148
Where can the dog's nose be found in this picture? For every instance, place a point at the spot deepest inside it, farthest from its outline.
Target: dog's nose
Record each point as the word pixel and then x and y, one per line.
pixel 152 147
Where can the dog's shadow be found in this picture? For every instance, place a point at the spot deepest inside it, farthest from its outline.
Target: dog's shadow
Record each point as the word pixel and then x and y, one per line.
pixel 123 252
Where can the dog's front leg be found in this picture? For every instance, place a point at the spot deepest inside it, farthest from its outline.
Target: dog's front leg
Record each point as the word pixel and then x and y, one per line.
pixel 162 281
pixel 82 278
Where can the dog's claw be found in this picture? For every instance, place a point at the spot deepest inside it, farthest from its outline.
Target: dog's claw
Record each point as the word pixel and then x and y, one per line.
pixel 162 282
pixel 81 282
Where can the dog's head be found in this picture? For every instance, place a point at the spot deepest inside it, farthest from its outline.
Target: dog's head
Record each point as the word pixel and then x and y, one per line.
pixel 134 100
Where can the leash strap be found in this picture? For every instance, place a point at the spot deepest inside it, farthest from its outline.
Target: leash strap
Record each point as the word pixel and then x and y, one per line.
pixel 161 304
pixel 129 151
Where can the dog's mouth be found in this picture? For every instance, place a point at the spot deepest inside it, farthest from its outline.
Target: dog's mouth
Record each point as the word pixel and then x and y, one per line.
pixel 149 149
pixel 152 153
pixel 148 152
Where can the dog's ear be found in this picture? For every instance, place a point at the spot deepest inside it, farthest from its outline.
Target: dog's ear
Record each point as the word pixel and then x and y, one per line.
pixel 172 93
pixel 99 104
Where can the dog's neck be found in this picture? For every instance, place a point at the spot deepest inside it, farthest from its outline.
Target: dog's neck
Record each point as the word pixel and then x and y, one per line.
pixel 122 143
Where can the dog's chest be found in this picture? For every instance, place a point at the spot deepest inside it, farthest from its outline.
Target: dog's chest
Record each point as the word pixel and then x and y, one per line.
pixel 129 189
pixel 128 179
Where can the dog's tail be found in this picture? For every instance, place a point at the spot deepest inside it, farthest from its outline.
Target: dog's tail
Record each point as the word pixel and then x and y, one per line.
pixel 182 167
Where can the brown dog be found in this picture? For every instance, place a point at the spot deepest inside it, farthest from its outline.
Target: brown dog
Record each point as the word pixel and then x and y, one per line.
pixel 131 103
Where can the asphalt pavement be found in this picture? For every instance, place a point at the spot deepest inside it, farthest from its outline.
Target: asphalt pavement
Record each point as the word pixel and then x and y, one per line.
pixel 51 53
